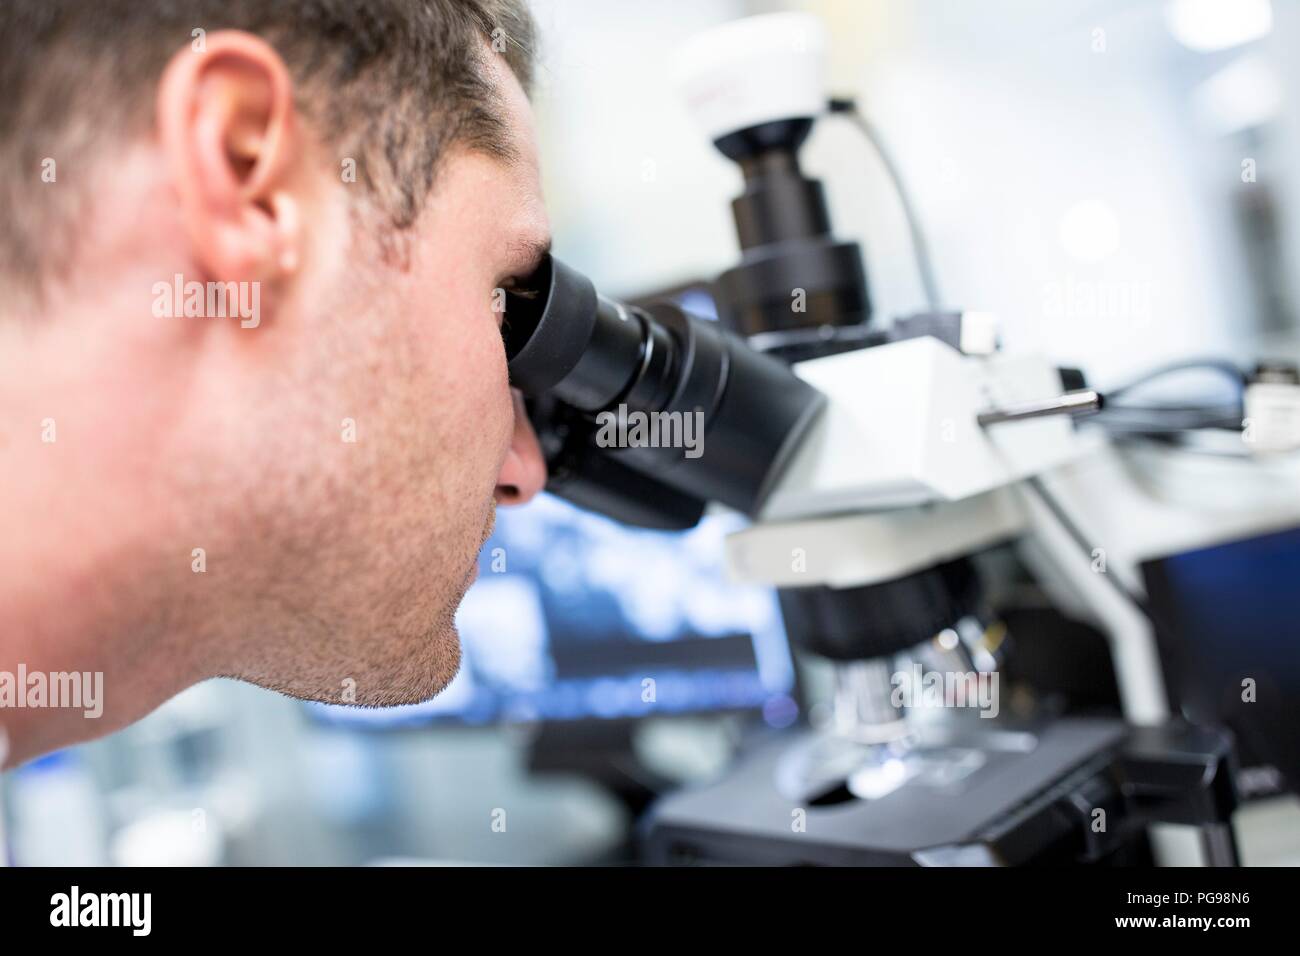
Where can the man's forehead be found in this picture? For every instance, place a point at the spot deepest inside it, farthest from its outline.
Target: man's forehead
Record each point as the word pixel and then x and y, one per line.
pixel 516 111
pixel 531 227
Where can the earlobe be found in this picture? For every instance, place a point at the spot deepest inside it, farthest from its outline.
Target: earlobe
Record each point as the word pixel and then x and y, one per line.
pixel 225 123
pixel 288 221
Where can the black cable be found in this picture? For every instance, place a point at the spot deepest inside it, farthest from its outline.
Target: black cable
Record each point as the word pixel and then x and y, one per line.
pixel 1157 418
pixel 1163 419
pixel 1229 369
pixel 1171 408
pixel 920 249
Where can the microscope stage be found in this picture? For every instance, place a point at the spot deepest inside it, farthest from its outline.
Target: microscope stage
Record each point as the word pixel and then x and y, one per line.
pixel 745 818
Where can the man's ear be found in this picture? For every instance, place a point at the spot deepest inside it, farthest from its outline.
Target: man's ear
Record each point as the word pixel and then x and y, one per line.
pixel 227 124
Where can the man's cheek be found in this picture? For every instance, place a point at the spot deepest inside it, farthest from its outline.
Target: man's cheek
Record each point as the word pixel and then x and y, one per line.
pixel 492 415
pixel 467 364
pixel 506 423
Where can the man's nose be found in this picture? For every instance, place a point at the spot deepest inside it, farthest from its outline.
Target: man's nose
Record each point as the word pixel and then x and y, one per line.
pixel 523 473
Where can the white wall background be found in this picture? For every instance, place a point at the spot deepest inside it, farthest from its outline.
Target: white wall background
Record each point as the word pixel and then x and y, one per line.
pixel 1073 190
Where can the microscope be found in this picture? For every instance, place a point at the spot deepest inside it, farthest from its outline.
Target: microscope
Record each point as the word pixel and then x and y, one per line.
pixel 875 464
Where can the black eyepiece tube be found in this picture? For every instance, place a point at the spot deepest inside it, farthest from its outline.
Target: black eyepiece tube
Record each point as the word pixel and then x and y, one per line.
pixel 674 398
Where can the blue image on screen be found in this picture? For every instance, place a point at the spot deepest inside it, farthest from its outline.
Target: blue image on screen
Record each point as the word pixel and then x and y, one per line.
pixel 1236 604
pixel 1229 617
pixel 577 617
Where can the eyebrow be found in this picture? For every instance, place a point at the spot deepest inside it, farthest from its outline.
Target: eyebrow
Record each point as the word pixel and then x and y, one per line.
pixel 526 255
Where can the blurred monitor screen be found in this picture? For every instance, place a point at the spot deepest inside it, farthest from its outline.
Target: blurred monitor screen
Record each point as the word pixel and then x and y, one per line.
pixel 1228 643
pixel 577 617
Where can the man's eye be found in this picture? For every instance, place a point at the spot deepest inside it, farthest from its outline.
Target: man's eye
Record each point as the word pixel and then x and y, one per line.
pixel 515 288
pixel 521 286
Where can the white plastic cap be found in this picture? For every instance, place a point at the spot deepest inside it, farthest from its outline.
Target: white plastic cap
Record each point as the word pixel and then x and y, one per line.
pixel 752 71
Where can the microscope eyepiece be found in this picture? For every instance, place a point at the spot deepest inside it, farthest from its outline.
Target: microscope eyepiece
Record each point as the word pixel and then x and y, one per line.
pixel 563 337
pixel 608 380
pixel 539 358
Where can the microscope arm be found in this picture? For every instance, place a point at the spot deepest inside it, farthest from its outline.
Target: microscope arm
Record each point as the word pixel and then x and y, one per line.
pixel 898 473
pixel 903 427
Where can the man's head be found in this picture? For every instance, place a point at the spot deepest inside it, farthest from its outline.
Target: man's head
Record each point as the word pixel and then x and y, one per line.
pixel 257 410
